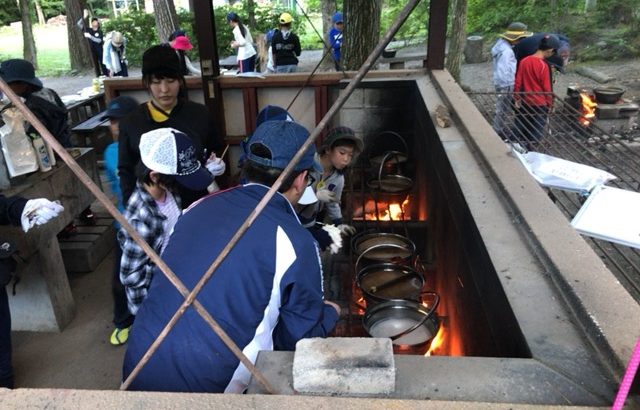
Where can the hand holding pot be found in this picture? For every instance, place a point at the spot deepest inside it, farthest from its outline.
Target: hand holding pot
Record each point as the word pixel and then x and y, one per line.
pixel 326 196
pixel 347 230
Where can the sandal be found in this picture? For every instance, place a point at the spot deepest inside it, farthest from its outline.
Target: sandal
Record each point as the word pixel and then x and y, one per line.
pixel 119 336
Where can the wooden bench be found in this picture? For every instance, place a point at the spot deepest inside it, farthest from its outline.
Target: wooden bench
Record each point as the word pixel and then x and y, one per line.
pixel 82 110
pixel 92 132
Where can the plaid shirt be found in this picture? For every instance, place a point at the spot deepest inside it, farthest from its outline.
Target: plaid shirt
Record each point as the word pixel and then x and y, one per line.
pixel 136 268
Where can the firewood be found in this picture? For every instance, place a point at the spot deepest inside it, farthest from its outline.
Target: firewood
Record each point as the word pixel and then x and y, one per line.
pixel 443 119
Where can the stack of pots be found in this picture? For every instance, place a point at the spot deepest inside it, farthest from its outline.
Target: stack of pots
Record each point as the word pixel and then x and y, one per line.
pixel 389 184
pixel 392 289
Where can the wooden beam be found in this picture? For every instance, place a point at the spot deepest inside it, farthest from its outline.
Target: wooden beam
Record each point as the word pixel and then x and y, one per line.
pixel 438 10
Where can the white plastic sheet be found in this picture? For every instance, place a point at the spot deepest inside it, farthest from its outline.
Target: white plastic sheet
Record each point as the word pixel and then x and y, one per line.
pixel 18 151
pixel 610 214
pixel 559 173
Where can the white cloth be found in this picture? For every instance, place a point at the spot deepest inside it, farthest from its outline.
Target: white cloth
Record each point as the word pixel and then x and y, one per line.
pixel 245 43
pixel 216 166
pixel 38 212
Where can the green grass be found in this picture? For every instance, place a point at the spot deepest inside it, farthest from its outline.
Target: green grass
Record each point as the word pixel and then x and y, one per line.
pixel 51 45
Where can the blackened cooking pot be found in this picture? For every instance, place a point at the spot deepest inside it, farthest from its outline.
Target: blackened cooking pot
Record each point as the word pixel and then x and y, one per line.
pixel 387 281
pixel 608 95
pixel 410 325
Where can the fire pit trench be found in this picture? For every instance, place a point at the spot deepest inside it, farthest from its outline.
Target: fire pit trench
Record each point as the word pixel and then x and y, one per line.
pixel 516 326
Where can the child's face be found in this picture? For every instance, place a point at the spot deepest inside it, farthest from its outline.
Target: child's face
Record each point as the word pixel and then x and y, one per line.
pixel 165 92
pixel 113 127
pixel 341 156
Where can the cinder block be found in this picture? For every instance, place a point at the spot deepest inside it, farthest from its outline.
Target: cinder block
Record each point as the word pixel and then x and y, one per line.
pixel 344 366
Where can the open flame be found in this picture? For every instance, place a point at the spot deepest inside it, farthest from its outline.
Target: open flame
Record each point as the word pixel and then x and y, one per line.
pixel 588 109
pixel 437 341
pixel 392 212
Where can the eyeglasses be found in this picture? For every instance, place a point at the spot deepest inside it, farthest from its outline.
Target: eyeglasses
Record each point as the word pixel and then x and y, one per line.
pixel 310 179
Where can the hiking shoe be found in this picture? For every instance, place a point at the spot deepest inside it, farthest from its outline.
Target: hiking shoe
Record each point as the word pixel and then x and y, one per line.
pixel 87 217
pixel 119 336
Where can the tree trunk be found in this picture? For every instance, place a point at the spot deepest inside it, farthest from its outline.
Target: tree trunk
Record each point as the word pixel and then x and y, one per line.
pixel 361 31
pixel 251 11
pixel 29 43
pixel 79 51
pixel 39 13
pixel 458 34
pixel 328 8
pixel 166 18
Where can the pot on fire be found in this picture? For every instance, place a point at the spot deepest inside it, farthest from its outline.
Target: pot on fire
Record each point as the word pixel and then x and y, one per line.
pixel 387 281
pixel 383 247
pixel 410 325
pixel 608 95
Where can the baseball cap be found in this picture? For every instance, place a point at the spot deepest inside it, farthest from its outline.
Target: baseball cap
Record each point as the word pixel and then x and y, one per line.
pixel 17 69
pixel 233 16
pixel 120 107
pixel 161 61
pixel 282 139
pixel 272 112
pixel 342 133
pixel 285 18
pixel 117 38
pixel 337 18
pixel 171 152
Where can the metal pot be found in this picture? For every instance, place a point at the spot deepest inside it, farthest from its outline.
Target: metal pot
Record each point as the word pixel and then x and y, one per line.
pixel 387 281
pixel 410 325
pixel 383 247
pixel 608 95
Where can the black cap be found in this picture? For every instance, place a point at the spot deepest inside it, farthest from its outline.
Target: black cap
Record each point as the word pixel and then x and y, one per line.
pixel 120 107
pixel 160 61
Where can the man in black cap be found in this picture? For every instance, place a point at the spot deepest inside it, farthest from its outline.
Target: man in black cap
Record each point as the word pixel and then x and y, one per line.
pixel 45 103
pixel 168 107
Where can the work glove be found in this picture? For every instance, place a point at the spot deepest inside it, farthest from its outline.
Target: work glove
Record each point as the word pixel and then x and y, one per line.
pixel 87 35
pixel 215 165
pixel 346 230
pixel 326 196
pixel 213 187
pixel 38 212
pixel 336 238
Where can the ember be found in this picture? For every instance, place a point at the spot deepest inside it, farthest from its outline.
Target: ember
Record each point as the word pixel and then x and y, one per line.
pixel 382 211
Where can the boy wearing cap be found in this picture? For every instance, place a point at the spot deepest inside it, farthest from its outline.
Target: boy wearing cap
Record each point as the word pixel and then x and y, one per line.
pixel 286 46
pixel 117 108
pixel 266 294
pixel 170 159
pixel 45 103
pixel 336 38
pixel 504 72
pixel 113 56
pixel 167 108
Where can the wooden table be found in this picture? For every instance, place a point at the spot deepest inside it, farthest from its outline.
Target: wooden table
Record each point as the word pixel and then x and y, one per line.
pixel 83 109
pixel 43 300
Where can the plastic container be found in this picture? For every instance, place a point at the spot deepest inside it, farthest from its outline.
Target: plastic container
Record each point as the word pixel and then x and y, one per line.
pixel 41 153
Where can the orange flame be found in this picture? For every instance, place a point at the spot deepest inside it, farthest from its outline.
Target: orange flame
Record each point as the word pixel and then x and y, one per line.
pixel 436 342
pixel 588 109
pixel 394 212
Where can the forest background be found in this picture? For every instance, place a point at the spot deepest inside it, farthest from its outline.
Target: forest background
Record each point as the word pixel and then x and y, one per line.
pixel 599 29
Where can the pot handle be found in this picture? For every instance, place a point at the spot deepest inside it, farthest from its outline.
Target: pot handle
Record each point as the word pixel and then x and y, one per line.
pixel 378 246
pixel 426 317
pixel 398 136
pixel 384 159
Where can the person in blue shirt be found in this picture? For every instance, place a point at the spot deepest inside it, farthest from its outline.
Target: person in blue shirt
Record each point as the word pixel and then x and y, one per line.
pixel 336 38
pixel 266 294
pixel 118 108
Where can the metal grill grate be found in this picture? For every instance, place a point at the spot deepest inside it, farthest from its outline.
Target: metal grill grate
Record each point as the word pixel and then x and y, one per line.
pixel 568 135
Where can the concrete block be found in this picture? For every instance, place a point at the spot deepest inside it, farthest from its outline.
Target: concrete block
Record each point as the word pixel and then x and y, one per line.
pixel 355 100
pixel 344 366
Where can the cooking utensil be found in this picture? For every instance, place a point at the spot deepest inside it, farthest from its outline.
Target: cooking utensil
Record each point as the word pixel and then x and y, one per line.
pixel 382 247
pixel 608 95
pixel 388 281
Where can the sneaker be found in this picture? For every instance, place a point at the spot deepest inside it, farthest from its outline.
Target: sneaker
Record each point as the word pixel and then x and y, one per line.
pixel 119 336
pixel 87 217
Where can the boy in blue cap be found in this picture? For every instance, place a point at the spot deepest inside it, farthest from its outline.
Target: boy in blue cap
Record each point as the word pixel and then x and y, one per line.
pixel 335 38
pixel 267 293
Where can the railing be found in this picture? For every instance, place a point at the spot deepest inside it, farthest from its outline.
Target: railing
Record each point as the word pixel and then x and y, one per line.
pixel 567 134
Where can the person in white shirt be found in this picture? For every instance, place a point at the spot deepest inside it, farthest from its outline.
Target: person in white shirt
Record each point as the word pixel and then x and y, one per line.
pixel 244 43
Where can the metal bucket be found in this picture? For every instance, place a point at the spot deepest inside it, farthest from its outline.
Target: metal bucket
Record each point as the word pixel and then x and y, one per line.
pixel 388 281
pixel 410 325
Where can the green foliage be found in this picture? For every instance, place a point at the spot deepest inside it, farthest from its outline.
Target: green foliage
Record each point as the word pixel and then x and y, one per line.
pixel 416 25
pixel 9 12
pixel 139 28
pixel 52 8
pixel 266 19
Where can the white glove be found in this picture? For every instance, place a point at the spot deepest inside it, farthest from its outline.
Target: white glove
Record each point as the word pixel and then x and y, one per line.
pixel 87 35
pixel 346 229
pixel 215 165
pixel 336 238
pixel 326 196
pixel 39 211
pixel 213 187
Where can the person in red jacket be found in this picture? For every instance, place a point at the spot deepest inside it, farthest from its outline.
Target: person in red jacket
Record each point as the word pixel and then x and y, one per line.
pixel 533 92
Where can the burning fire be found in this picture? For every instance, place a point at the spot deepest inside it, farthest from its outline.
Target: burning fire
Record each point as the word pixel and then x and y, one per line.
pixel 588 109
pixel 437 341
pixel 394 212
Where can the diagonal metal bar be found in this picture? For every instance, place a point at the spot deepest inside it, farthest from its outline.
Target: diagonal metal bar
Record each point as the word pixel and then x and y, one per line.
pixel 402 16
pixel 100 196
